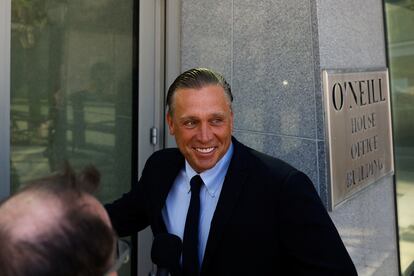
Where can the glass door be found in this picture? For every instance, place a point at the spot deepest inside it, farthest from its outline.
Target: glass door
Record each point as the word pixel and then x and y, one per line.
pixel 73 90
pixel 400 22
pixel 78 79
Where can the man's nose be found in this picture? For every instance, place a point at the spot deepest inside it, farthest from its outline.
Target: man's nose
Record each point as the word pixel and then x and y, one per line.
pixel 205 133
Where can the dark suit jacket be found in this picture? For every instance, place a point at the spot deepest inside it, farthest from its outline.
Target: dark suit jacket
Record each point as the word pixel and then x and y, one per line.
pixel 269 219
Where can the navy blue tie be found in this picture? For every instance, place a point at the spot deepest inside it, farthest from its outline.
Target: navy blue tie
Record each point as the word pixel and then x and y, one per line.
pixel 191 263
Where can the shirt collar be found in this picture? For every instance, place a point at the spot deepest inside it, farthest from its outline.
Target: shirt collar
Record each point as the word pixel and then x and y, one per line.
pixel 211 177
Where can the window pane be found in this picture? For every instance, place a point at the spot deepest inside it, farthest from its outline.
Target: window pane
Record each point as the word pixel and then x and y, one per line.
pixel 400 22
pixel 71 89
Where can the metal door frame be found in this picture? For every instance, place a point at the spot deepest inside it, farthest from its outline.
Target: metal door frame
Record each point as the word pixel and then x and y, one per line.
pixel 159 64
pixel 5 41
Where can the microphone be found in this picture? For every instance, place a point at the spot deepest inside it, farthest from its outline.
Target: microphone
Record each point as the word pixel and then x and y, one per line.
pixel 166 253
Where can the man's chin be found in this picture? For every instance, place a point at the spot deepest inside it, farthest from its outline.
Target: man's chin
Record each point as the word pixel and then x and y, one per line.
pixel 200 167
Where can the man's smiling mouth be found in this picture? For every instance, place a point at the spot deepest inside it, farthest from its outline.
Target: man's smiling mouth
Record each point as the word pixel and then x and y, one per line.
pixel 205 150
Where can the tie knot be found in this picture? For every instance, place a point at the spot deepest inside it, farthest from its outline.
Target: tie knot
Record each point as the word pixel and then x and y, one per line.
pixel 196 182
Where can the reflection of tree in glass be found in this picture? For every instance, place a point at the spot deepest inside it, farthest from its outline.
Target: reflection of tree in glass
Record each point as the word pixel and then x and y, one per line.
pixel 100 15
pixel 27 16
pixel 99 90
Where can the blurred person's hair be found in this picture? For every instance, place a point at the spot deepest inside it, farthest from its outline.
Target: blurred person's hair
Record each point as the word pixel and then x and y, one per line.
pixel 79 243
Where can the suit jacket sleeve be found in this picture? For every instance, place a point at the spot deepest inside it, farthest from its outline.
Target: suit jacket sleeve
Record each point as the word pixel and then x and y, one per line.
pixel 312 245
pixel 129 214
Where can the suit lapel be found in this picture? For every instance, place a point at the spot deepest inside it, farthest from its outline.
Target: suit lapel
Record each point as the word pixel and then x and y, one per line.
pixel 232 186
pixel 165 177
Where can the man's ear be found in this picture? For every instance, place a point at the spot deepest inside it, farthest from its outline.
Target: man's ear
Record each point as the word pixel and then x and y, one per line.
pixel 170 123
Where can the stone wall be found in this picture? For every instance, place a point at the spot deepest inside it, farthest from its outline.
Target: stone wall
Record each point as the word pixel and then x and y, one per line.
pixel 272 53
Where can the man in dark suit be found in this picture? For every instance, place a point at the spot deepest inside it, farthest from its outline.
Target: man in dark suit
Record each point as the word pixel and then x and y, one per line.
pixel 255 214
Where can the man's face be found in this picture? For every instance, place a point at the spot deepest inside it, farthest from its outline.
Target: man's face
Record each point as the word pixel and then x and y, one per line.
pixel 202 123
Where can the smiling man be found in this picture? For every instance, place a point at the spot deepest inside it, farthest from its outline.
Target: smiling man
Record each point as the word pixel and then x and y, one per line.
pixel 238 211
pixel 201 121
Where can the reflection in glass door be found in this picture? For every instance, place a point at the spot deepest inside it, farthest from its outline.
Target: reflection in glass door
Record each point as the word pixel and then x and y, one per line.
pixel 72 89
pixel 400 22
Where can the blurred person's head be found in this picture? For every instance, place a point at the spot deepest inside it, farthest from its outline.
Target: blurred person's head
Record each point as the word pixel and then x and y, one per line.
pixel 54 226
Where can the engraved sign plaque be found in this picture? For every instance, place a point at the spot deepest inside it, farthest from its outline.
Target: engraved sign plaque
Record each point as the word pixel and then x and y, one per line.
pixel 359 132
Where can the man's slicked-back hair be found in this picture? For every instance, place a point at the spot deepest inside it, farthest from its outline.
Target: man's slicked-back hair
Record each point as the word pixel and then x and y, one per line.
pixel 197 78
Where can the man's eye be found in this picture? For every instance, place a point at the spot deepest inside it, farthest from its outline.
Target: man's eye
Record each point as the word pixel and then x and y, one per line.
pixel 216 121
pixel 189 124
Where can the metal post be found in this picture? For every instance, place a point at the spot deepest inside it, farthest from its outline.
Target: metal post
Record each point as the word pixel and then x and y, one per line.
pixel 5 29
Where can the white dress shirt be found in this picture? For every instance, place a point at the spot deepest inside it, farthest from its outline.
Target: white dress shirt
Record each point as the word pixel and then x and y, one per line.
pixel 176 206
